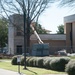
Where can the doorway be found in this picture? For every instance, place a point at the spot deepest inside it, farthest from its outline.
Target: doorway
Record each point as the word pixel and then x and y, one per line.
pixel 19 49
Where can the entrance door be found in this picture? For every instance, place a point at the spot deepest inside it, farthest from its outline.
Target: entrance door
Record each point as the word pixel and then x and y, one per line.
pixel 71 38
pixel 19 49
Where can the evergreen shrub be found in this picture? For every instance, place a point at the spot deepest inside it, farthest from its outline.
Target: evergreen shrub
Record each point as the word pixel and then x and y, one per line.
pixel 14 60
pixel 46 63
pixel 22 61
pixel 59 64
pixel 39 62
pixel 70 67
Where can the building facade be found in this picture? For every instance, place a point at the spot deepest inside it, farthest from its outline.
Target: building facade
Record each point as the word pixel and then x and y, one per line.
pixel 16 41
pixel 69 30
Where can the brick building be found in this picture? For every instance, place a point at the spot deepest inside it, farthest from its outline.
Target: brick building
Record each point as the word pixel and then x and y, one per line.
pixel 16 40
pixel 69 28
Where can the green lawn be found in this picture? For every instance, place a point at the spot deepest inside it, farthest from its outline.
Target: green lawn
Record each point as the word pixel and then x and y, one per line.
pixel 29 71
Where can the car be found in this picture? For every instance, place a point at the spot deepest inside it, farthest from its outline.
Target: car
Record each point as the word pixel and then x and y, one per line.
pixel 62 53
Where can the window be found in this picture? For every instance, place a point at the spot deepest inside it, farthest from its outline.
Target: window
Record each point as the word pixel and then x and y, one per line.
pixel 19 49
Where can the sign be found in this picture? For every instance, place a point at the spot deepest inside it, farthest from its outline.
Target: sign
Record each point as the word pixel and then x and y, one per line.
pixel 18 59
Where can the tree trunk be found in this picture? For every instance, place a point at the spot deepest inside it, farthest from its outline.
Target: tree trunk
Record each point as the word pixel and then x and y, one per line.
pixel 28 36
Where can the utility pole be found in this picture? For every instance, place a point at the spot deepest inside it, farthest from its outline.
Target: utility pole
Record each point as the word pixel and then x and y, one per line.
pixel 25 34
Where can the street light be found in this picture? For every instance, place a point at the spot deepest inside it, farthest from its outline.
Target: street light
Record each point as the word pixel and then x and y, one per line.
pixel 25 34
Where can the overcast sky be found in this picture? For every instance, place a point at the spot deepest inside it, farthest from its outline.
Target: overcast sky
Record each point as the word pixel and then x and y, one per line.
pixel 54 16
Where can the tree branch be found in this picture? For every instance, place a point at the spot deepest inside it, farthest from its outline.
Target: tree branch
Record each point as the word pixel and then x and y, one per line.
pixel 9 17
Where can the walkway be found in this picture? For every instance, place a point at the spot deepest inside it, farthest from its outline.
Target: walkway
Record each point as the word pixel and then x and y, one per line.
pixel 7 72
pixel 55 74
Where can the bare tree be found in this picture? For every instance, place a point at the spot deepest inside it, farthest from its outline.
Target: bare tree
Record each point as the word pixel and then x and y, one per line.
pixel 30 8
pixel 70 3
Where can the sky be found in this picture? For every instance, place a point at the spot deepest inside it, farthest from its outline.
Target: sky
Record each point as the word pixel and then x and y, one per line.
pixel 54 16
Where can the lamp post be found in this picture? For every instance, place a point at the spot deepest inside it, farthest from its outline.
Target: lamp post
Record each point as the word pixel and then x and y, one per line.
pixel 25 35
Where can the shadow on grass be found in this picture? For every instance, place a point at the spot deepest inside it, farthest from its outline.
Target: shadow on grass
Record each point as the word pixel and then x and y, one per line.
pixel 32 71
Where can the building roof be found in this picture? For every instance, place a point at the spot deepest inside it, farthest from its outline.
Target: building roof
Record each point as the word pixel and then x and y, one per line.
pixel 49 37
pixel 70 18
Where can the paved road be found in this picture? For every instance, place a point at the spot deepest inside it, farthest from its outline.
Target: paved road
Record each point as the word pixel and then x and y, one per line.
pixel 7 72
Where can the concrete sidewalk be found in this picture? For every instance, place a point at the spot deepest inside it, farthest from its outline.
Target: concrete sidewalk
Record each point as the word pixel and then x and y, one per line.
pixel 8 72
pixel 55 74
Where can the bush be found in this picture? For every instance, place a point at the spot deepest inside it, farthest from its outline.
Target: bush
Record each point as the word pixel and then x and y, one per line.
pixel 70 68
pixel 58 64
pixel 27 60
pixel 22 61
pixel 1 57
pixel 31 61
pixel 35 64
pixel 14 60
pixel 39 62
pixel 46 63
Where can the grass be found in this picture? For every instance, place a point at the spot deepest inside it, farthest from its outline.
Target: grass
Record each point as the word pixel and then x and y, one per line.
pixel 6 59
pixel 29 71
pixel 72 57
